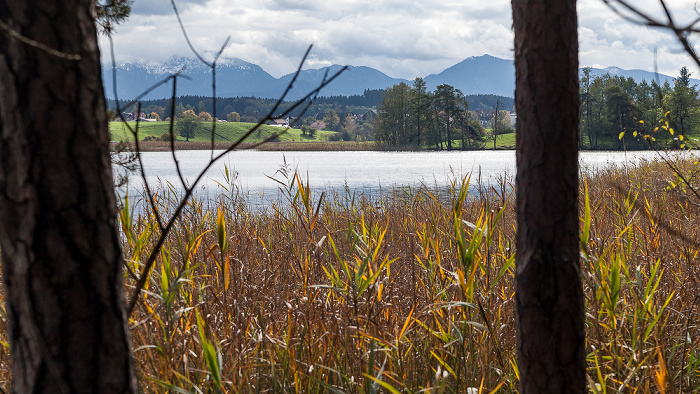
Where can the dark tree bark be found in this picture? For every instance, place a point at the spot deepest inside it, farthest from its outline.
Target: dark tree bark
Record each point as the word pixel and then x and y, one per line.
pixel 61 259
pixel 549 294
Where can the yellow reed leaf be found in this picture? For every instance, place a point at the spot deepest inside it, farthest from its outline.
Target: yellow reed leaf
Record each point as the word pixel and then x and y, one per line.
pixel 660 374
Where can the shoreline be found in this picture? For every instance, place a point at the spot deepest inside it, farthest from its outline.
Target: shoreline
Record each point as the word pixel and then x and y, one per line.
pixel 287 146
pixel 164 146
pixel 282 146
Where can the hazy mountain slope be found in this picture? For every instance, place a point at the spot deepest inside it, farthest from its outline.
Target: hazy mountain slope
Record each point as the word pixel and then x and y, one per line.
pixel 352 81
pixel 237 78
pixel 478 75
pixel 234 77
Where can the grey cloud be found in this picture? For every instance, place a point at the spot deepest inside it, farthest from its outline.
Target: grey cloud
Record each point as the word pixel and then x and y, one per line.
pixel 403 38
pixel 292 5
pixel 161 7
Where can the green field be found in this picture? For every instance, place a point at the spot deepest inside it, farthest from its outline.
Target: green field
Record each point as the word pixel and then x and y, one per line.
pixel 504 141
pixel 234 130
pixel 225 132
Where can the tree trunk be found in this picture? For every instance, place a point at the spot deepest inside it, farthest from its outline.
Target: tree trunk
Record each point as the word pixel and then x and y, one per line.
pixel 549 294
pixel 61 258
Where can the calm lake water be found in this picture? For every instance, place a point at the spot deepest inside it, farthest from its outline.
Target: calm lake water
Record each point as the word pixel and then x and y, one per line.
pixel 360 172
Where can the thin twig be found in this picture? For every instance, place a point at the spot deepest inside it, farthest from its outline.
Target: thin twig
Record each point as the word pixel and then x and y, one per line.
pixel 172 138
pixel 681 33
pixel 187 38
pixel 151 199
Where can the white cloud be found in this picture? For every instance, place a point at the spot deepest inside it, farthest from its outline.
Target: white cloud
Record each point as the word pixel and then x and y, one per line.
pixel 401 38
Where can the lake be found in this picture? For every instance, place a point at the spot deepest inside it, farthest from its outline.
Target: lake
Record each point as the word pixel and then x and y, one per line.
pixel 368 172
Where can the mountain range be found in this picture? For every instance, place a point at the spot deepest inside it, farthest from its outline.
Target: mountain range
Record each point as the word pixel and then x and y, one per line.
pixel 237 78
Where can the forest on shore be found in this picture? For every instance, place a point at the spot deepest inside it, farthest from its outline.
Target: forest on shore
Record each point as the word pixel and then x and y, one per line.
pixel 615 114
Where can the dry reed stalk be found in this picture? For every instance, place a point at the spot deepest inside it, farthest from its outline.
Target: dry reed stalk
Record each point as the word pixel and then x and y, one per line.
pixel 409 291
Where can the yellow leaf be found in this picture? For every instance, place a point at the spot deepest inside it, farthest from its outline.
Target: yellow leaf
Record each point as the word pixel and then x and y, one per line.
pixel 641 121
pixel 634 134
pixel 666 114
pixel 681 137
pixel 660 374
pixel 670 131
pixel 406 324
pixel 621 135
pixel 227 273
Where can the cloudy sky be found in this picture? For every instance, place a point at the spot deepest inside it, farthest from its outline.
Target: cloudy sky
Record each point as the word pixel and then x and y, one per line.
pixel 402 38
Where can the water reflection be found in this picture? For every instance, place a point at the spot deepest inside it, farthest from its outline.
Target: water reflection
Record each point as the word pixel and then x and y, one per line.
pixel 259 175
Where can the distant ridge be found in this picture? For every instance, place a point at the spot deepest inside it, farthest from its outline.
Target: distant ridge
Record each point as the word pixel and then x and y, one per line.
pixel 637 75
pixel 237 78
pixel 478 75
pixel 353 81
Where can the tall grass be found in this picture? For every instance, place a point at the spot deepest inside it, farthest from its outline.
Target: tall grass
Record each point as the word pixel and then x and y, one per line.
pixel 413 291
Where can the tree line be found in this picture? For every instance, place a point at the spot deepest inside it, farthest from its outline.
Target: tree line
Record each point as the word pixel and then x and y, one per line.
pixel 442 119
pixel 617 111
pixel 251 109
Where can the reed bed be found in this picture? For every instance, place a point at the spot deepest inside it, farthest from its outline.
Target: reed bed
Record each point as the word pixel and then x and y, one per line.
pixel 409 292
pixel 329 293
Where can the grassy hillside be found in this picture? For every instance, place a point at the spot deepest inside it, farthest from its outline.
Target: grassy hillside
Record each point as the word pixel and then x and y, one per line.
pixel 225 132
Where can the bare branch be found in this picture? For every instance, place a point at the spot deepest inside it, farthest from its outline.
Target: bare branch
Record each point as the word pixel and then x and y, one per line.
pixel 681 33
pixel 151 200
pixel 187 38
pixel 189 190
pixel 172 137
pixel 304 103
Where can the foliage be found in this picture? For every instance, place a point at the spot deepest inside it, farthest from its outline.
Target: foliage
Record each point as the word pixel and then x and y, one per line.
pixel 204 116
pixel 188 124
pixel 413 116
pixel 391 124
pixel 682 102
pixel 233 117
pixel 111 13
pixel 611 105
pixel 504 125
pixel 308 131
pixel 332 120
